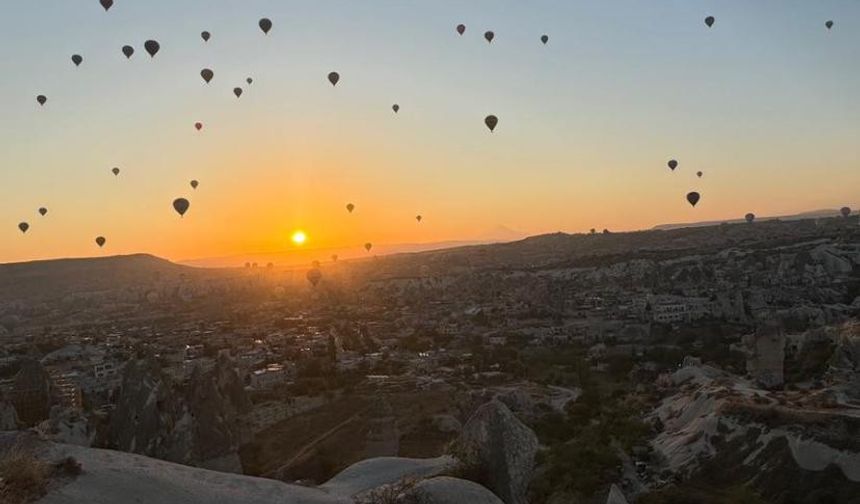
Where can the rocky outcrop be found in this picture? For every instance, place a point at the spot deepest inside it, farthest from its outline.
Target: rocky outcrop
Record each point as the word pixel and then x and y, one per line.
pixel 615 496
pixel 8 416
pixel 500 449
pixel 194 423
pixel 782 444
pixel 447 490
pixel 109 477
pixel 765 350
pixel 32 393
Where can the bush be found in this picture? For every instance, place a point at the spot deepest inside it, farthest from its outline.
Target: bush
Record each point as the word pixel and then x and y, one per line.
pixel 23 477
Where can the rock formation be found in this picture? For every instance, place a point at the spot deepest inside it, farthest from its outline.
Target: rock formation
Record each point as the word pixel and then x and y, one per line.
pixel 501 449
pixel 194 423
pixel 765 351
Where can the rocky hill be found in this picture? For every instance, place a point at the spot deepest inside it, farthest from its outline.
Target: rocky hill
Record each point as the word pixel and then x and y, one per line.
pixel 501 450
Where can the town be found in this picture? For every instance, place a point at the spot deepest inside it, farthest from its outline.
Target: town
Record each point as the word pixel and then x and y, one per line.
pixel 603 342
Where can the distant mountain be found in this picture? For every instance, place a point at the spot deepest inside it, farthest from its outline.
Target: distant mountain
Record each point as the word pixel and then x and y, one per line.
pixel 812 214
pixel 302 257
pixel 58 277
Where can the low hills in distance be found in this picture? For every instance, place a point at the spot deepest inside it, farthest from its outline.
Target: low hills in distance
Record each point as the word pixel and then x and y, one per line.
pixel 53 279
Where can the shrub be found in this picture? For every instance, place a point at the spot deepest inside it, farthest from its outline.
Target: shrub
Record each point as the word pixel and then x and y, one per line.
pixel 23 477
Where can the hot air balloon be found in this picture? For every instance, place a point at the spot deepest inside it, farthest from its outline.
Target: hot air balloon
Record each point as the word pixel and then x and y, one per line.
pixel 829 24
pixel 693 198
pixel 333 77
pixel 42 99
pixel 368 246
pixel 249 81
pixel 710 21
pixel 845 211
pixel 115 171
pixel 314 276
pixel 750 217
pixel 350 207
pixel 265 25
pixel 207 74
pixel 672 164
pixel 128 51
pixel 100 241
pixel 461 29
pixel 237 91
pixel 418 218
pixel 194 184
pixel 198 125
pixel 181 206
pixel 491 121
pixel 544 39
pixel 77 59
pixel 107 4
pixel 23 226
pixel 152 47
pixel 395 108
pixel 315 264
pixel 334 258
pixel 205 36
pixel 699 174
pixel 43 211
pixel 489 36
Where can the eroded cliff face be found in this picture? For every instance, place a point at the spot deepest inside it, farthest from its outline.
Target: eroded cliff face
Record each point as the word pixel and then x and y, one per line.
pixel 785 444
pixel 194 423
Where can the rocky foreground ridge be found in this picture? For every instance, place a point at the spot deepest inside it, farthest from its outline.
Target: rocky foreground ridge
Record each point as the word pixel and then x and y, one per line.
pixel 495 447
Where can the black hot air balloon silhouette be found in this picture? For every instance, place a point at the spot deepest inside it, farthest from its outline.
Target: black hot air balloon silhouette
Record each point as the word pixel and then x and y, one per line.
pixel 693 198
pixel 100 241
pixel 418 218
pixel 238 92
pixel 207 75
pixel 699 174
pixel 152 47
pixel 249 81
pixel 42 99
pixel 43 211
pixel 198 125
pixel 829 24
pixel 314 276
pixel 368 246
pixel 461 29
pixel 672 164
pixel 128 51
pixel 205 36
pixel 23 226
pixel 750 217
pixel 77 59
pixel 115 171
pixel 491 121
pixel 845 211
pixel 194 184
pixel 181 206
pixel 107 4
pixel 333 77
pixel 350 207
pixel 544 39
pixel 265 25
pixel 489 36
pixel 395 108
pixel 710 21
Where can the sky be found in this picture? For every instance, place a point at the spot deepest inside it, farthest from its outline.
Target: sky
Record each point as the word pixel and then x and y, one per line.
pixel 765 104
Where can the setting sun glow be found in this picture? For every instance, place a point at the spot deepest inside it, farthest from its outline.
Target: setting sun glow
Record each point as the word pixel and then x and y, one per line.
pixel 299 237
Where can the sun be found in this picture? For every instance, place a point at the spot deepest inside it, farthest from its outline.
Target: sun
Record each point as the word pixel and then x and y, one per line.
pixel 299 237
